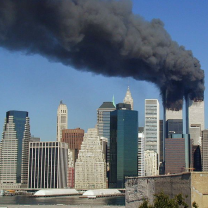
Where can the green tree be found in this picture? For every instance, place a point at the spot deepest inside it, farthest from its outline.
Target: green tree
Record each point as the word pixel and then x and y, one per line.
pixel 162 200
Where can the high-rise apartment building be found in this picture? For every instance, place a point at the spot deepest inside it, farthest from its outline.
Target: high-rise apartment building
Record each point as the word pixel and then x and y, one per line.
pixel 62 120
pixel 14 150
pixel 128 99
pixel 123 145
pixel 205 150
pixel 48 164
pixel 90 167
pixel 74 138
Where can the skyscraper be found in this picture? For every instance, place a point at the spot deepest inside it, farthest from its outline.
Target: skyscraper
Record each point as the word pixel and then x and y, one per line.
pixel 14 150
pixel 90 167
pixel 103 124
pixel 205 150
pixel 141 151
pixel 123 145
pixel 152 133
pixel 62 120
pixel 174 126
pixel 74 138
pixel 196 113
pixel 128 99
pixel 176 114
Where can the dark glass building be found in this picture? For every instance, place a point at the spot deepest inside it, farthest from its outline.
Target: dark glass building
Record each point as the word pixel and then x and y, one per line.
pixel 174 126
pixel 123 145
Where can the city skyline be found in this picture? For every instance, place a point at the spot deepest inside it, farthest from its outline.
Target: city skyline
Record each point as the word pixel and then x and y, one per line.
pixel 34 84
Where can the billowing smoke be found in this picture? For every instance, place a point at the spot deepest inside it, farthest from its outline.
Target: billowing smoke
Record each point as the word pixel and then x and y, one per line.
pixel 103 37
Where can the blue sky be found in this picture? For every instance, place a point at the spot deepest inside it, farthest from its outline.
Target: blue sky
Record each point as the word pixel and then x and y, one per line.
pixel 34 84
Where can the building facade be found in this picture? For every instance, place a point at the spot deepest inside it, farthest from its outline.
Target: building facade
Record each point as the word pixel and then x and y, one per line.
pixel 128 99
pixel 123 145
pixel 178 157
pixel 174 126
pixel 150 163
pixel 62 120
pixel 205 150
pixel 74 138
pixel 90 167
pixel 48 164
pixel 14 150
pixel 141 153
pixel 152 128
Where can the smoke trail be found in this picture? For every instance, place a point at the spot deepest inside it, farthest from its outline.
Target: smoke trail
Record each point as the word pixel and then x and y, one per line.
pixel 104 37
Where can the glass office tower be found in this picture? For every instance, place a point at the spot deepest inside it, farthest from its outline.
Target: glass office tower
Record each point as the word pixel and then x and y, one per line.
pixel 123 145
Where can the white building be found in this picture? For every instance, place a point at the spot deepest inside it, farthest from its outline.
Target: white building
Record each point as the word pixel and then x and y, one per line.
pixel 48 164
pixel 151 164
pixel 14 150
pixel 90 167
pixel 196 113
pixel 174 114
pixel 152 127
pixel 128 99
pixel 141 154
pixel 62 120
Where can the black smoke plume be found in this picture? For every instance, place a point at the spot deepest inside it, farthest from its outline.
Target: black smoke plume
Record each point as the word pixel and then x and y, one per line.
pixel 104 37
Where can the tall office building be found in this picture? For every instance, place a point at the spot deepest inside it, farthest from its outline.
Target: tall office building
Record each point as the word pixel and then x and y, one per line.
pixel 90 167
pixel 128 99
pixel 141 152
pixel 123 145
pixel 150 163
pixel 74 138
pixel 196 113
pixel 170 114
pixel 48 163
pixel 103 125
pixel 14 150
pixel 161 140
pixel 152 134
pixel 62 120
pixel 205 150
pixel 178 157
pixel 174 126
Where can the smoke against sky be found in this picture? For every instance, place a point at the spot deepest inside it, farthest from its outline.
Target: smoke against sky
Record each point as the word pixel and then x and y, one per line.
pixel 103 37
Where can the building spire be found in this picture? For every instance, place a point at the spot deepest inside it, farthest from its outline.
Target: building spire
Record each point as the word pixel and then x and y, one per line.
pixel 113 100
pixel 128 99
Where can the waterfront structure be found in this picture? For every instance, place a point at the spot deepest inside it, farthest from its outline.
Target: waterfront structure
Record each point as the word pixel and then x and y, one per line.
pixel 178 151
pixel 141 152
pixel 90 167
pixel 152 134
pixel 62 119
pixel 14 150
pixel 48 162
pixel 128 99
pixel 74 138
pixel 150 163
pixel 205 150
pixel 123 145
pixel 192 186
